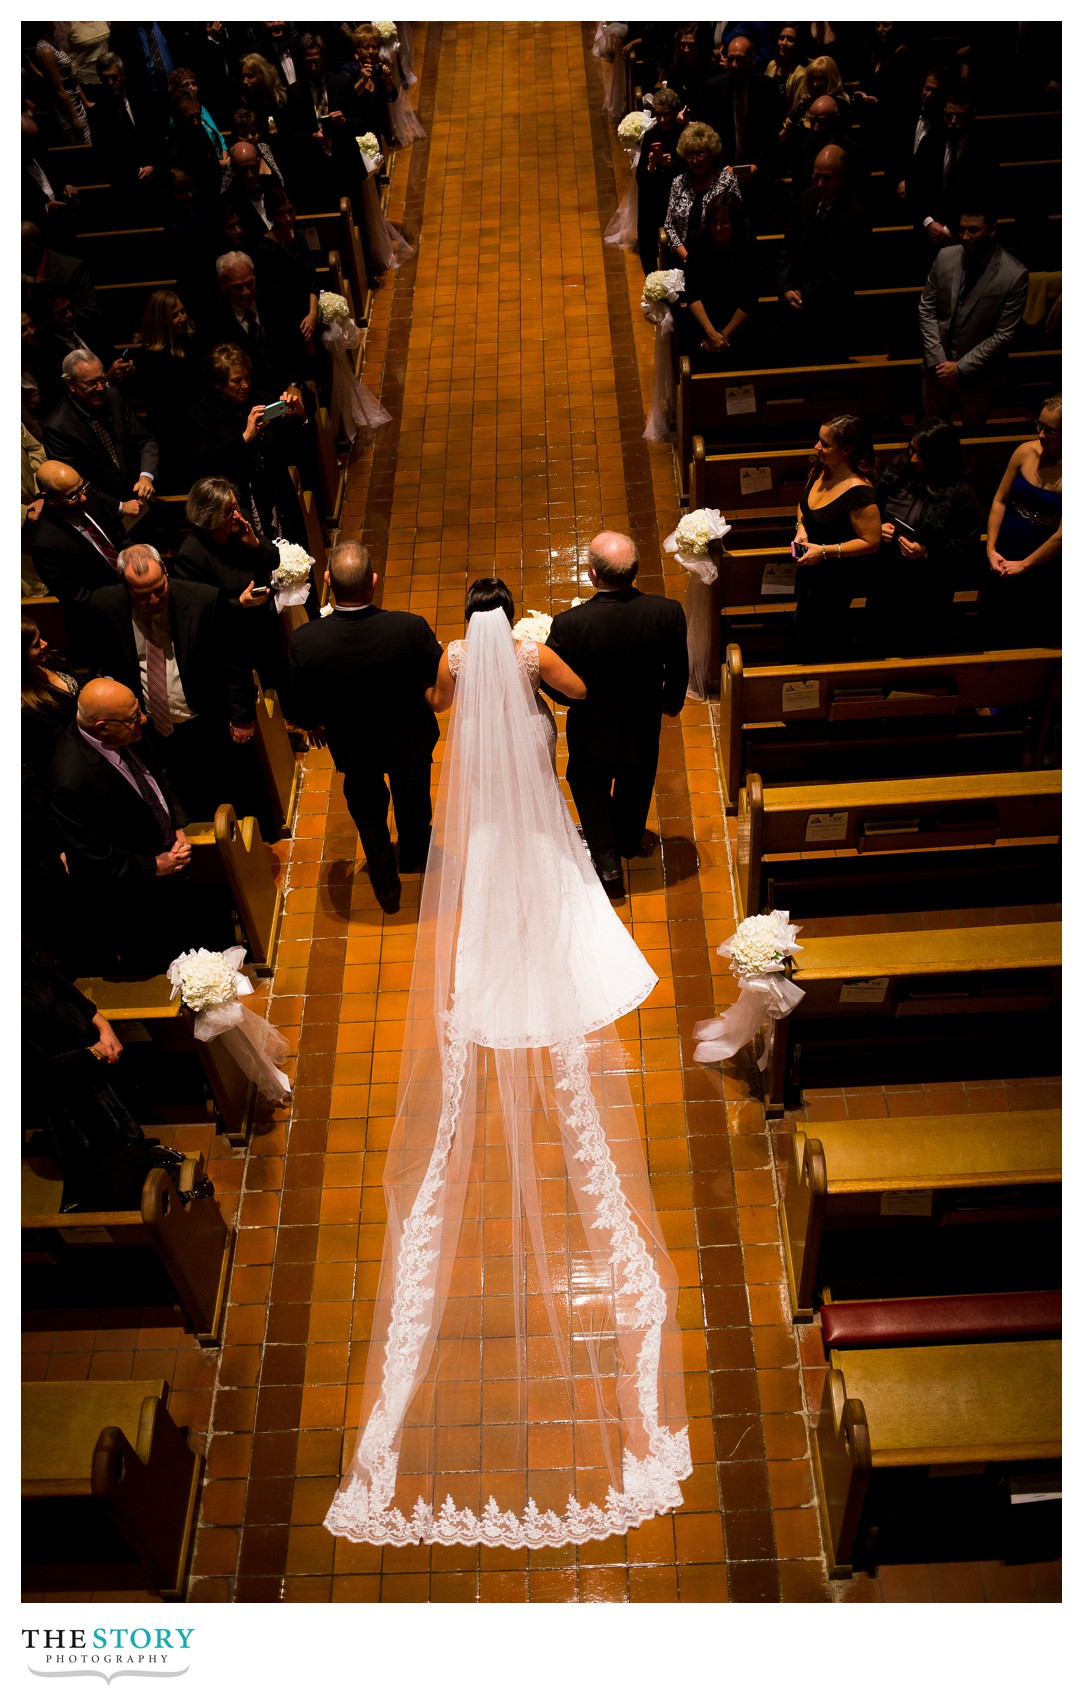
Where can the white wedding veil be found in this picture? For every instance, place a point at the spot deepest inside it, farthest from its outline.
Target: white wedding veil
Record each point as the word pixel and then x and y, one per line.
pixel 523 1381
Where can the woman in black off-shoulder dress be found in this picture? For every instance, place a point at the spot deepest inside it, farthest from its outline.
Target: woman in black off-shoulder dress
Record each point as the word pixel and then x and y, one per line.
pixel 838 529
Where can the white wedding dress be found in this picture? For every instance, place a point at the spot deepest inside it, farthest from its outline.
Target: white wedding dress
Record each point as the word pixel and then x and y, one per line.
pixel 523 1383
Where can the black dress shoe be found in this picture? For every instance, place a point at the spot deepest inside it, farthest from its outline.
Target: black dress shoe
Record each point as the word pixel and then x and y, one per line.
pixel 612 884
pixel 647 845
pixel 411 867
pixel 389 897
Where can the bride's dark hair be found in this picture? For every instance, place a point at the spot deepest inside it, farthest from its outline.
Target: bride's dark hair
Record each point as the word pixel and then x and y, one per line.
pixel 485 594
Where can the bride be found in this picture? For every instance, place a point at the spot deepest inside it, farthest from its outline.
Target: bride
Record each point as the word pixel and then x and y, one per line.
pixel 523 1383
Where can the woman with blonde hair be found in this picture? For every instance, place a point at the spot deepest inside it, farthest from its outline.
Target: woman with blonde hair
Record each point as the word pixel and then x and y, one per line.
pixel 705 176
pixel 264 93
pixel 819 77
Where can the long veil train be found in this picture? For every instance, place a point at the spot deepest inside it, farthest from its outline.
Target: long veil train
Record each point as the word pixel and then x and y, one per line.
pixel 523 1381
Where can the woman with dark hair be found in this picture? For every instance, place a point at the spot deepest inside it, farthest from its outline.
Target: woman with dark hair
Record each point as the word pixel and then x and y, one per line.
pixel 1022 596
pixel 838 527
pixel 227 434
pixel 791 52
pixel 537 662
pixel 692 63
pixel 705 176
pixel 245 128
pixel 223 549
pixel 183 81
pixel 170 378
pixel 285 273
pixel 931 531
pixel 659 163
pixel 48 701
pixel 720 292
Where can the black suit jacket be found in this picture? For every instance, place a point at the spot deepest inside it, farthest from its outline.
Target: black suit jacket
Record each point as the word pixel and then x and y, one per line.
pixel 124 148
pixel 271 355
pixel 64 275
pixel 820 256
pixel 71 566
pixel 363 676
pixel 631 651
pixel 973 182
pixel 212 658
pixel 109 831
pixel 714 105
pixel 68 436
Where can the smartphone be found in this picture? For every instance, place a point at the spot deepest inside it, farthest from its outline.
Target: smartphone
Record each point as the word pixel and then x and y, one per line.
pixel 797 550
pixel 261 590
pixel 903 526
pixel 275 410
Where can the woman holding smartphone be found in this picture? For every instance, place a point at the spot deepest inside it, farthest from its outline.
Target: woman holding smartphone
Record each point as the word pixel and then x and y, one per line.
pixel 838 527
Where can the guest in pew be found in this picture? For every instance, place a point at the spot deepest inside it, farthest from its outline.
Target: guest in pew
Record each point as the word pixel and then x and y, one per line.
pixel 240 316
pixel 923 117
pixel 40 384
pixel 43 49
pixel 969 312
pixel 44 202
pixel 70 1091
pixel 886 74
pixel 247 184
pixel 791 53
pixel 184 81
pixel 324 118
pixel 930 523
pixel 838 528
pixel 129 138
pixel 94 430
pixel 48 700
pixel 190 149
pixel 123 830
pixel 31 456
pixel 1021 598
pixel 211 51
pixel 245 127
pixel 265 95
pixel 717 322
pixel 228 436
pixel 822 126
pixel 659 163
pixel 374 85
pixel 286 277
pixel 691 64
pixel 170 379
pixel 191 240
pixel 224 550
pixel 818 264
pixel 179 648
pixel 44 268
pixel 58 336
pixel 812 81
pixel 76 548
pixel 955 170
pixel 277 44
pixel 740 107
pixel 705 176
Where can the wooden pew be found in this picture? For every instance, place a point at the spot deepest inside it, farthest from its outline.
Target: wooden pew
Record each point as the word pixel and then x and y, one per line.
pixel 1022 135
pixel 868 1205
pixel 893 252
pixel 277 762
pixel 879 845
pixel 948 1001
pixel 113 256
pixel 109 1488
pixel 901 1432
pixel 46 613
pixel 75 163
pixel 872 719
pixel 146 1014
pixel 232 852
pixel 784 405
pixel 82 1259
pixel 337 231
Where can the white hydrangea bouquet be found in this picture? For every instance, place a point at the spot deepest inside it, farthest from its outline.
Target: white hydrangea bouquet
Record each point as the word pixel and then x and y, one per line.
pixel 663 286
pixel 533 624
pixel 211 985
pixel 332 308
pixel 291 576
pixel 388 31
pixel 632 129
pixel 370 151
pixel 690 541
pixel 759 950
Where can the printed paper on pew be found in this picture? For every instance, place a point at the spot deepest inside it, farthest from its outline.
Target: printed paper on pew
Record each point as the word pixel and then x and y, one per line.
pixel 740 398
pixel 754 478
pixel 779 578
pixel 864 991
pixel 906 1204
pixel 800 693
pixel 827 828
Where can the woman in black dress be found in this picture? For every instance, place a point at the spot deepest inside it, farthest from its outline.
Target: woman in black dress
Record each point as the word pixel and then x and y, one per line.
pixel 720 293
pixel 286 278
pixel 224 550
pixel 931 525
pixel 170 379
pixel 48 702
pixel 838 528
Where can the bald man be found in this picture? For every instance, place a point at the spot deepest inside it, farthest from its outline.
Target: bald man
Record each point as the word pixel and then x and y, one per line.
pixel 245 192
pixel 632 652
pixel 123 831
pixel 75 550
pixel 821 251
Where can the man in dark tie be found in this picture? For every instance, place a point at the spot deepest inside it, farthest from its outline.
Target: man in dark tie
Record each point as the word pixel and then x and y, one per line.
pixel 94 430
pixel 954 168
pixel 817 267
pixel 123 833
pixel 178 647
pixel 237 317
pixel 969 312
pixel 75 549
pixel 631 650
pixel 127 133
pixel 359 679
pixel 742 107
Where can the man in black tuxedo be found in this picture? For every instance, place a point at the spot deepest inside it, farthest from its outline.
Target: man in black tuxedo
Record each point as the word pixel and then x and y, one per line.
pixel 94 430
pixel 826 237
pixel 75 549
pixel 631 650
pixel 359 678
pixel 955 170
pixel 177 647
pixel 239 317
pixel 123 833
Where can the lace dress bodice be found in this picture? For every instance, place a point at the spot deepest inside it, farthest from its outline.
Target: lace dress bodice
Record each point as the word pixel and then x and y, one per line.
pixel 528 659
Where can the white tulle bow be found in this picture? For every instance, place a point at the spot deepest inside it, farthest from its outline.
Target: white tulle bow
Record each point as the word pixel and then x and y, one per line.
pixel 353 406
pixel 759 950
pixel 249 1039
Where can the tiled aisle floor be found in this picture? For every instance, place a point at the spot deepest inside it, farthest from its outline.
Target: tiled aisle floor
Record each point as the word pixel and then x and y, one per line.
pixel 514 360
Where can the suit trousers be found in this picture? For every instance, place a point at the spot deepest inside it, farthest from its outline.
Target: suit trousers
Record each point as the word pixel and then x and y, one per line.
pixel 367 796
pixel 613 798
pixel 973 399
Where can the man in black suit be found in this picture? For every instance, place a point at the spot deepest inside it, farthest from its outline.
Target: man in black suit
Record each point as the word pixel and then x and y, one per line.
pixel 322 115
pixel 823 244
pixel 246 193
pixel 238 317
pixel 631 650
pixel 123 832
pixel 60 274
pixel 743 108
pixel 955 169
pixel 359 678
pixel 75 549
pixel 126 133
pixel 94 430
pixel 177 647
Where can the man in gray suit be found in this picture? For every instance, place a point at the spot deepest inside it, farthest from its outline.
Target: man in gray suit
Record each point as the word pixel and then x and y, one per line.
pixel 970 309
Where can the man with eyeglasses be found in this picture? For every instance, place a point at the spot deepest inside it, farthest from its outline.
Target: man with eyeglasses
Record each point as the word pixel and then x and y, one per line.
pixel 76 547
pixel 94 430
pixel 969 312
pixel 123 833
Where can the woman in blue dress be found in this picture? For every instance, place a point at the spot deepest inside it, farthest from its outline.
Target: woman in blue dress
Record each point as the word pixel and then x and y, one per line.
pixel 1021 602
